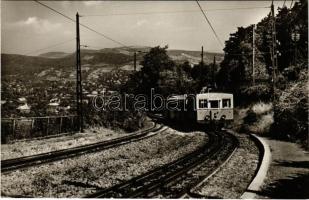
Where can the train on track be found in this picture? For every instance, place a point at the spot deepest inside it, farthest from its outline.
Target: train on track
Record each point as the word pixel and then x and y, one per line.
pixel 202 108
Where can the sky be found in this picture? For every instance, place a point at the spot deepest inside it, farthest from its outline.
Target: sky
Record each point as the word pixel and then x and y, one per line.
pixel 29 28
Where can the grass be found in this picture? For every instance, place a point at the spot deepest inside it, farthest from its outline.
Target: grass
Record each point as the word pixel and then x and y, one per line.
pixel 262 108
pixel 257 118
pixel 263 124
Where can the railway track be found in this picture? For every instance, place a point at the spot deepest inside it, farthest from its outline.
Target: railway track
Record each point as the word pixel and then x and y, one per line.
pixel 38 159
pixel 174 180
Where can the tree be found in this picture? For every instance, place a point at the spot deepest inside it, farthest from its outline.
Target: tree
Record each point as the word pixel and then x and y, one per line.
pixel 288 22
pixel 186 67
pixel 235 68
pixel 156 63
pixel 201 75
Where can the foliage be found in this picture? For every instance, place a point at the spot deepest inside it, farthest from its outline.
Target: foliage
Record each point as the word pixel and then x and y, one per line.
pixel 255 93
pixel 289 119
pixel 160 73
pixel 258 118
pixel 127 120
pixel 154 63
pixel 236 68
pixel 291 110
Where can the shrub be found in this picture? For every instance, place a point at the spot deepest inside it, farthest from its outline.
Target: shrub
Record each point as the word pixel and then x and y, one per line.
pixel 262 126
pixel 258 119
pixel 291 111
pixel 262 108
pixel 292 73
pixel 255 93
pixel 251 117
pixel 126 120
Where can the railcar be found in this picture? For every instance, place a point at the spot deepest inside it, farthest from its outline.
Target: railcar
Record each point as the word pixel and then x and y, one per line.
pixel 176 108
pixel 201 108
pixel 214 107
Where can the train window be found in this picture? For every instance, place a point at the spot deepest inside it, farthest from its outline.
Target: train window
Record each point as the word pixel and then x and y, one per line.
pixel 203 103
pixel 214 104
pixel 226 103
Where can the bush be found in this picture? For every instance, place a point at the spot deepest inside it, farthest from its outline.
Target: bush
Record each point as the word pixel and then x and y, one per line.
pixel 262 108
pixel 292 73
pixel 291 111
pixel 126 120
pixel 263 125
pixel 251 117
pixel 282 82
pixel 255 93
pixel 258 119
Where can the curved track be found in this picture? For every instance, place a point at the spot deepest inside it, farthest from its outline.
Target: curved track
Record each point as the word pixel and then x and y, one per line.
pixel 175 179
pixel 28 161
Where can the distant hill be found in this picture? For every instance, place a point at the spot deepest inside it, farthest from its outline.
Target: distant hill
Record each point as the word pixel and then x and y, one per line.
pixel 194 56
pixel 106 59
pixel 12 64
pixel 54 55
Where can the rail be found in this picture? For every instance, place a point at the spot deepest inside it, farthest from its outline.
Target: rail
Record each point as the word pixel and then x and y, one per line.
pixel 38 159
pixel 174 180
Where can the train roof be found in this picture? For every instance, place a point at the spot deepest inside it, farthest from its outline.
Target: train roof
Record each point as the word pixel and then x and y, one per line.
pixel 177 97
pixel 214 95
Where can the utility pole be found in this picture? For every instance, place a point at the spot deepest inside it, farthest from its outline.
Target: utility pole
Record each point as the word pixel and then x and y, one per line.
pixel 134 61
pixel 79 91
pixel 202 55
pixel 253 54
pixel 213 72
pixel 295 37
pixel 273 51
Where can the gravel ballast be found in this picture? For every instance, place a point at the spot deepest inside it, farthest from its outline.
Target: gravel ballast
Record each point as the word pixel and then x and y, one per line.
pixel 82 175
pixel 27 148
pixel 234 177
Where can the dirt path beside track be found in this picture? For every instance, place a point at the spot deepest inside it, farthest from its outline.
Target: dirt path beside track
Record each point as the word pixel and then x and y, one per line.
pixel 288 175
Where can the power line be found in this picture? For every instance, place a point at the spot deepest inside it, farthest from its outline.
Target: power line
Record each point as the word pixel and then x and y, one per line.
pixel 54 10
pixel 171 12
pixel 291 4
pixel 246 54
pixel 91 46
pixel 260 53
pixel 85 26
pixel 48 47
pixel 213 30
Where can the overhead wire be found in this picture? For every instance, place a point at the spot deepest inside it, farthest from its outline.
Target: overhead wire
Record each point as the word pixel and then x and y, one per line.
pixel 245 54
pixel 213 30
pixel 48 47
pixel 91 46
pixel 260 53
pixel 122 44
pixel 291 4
pixel 171 12
pixel 83 25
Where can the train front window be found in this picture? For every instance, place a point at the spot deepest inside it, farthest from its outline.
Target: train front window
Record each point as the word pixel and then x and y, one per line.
pixel 226 103
pixel 214 104
pixel 203 103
